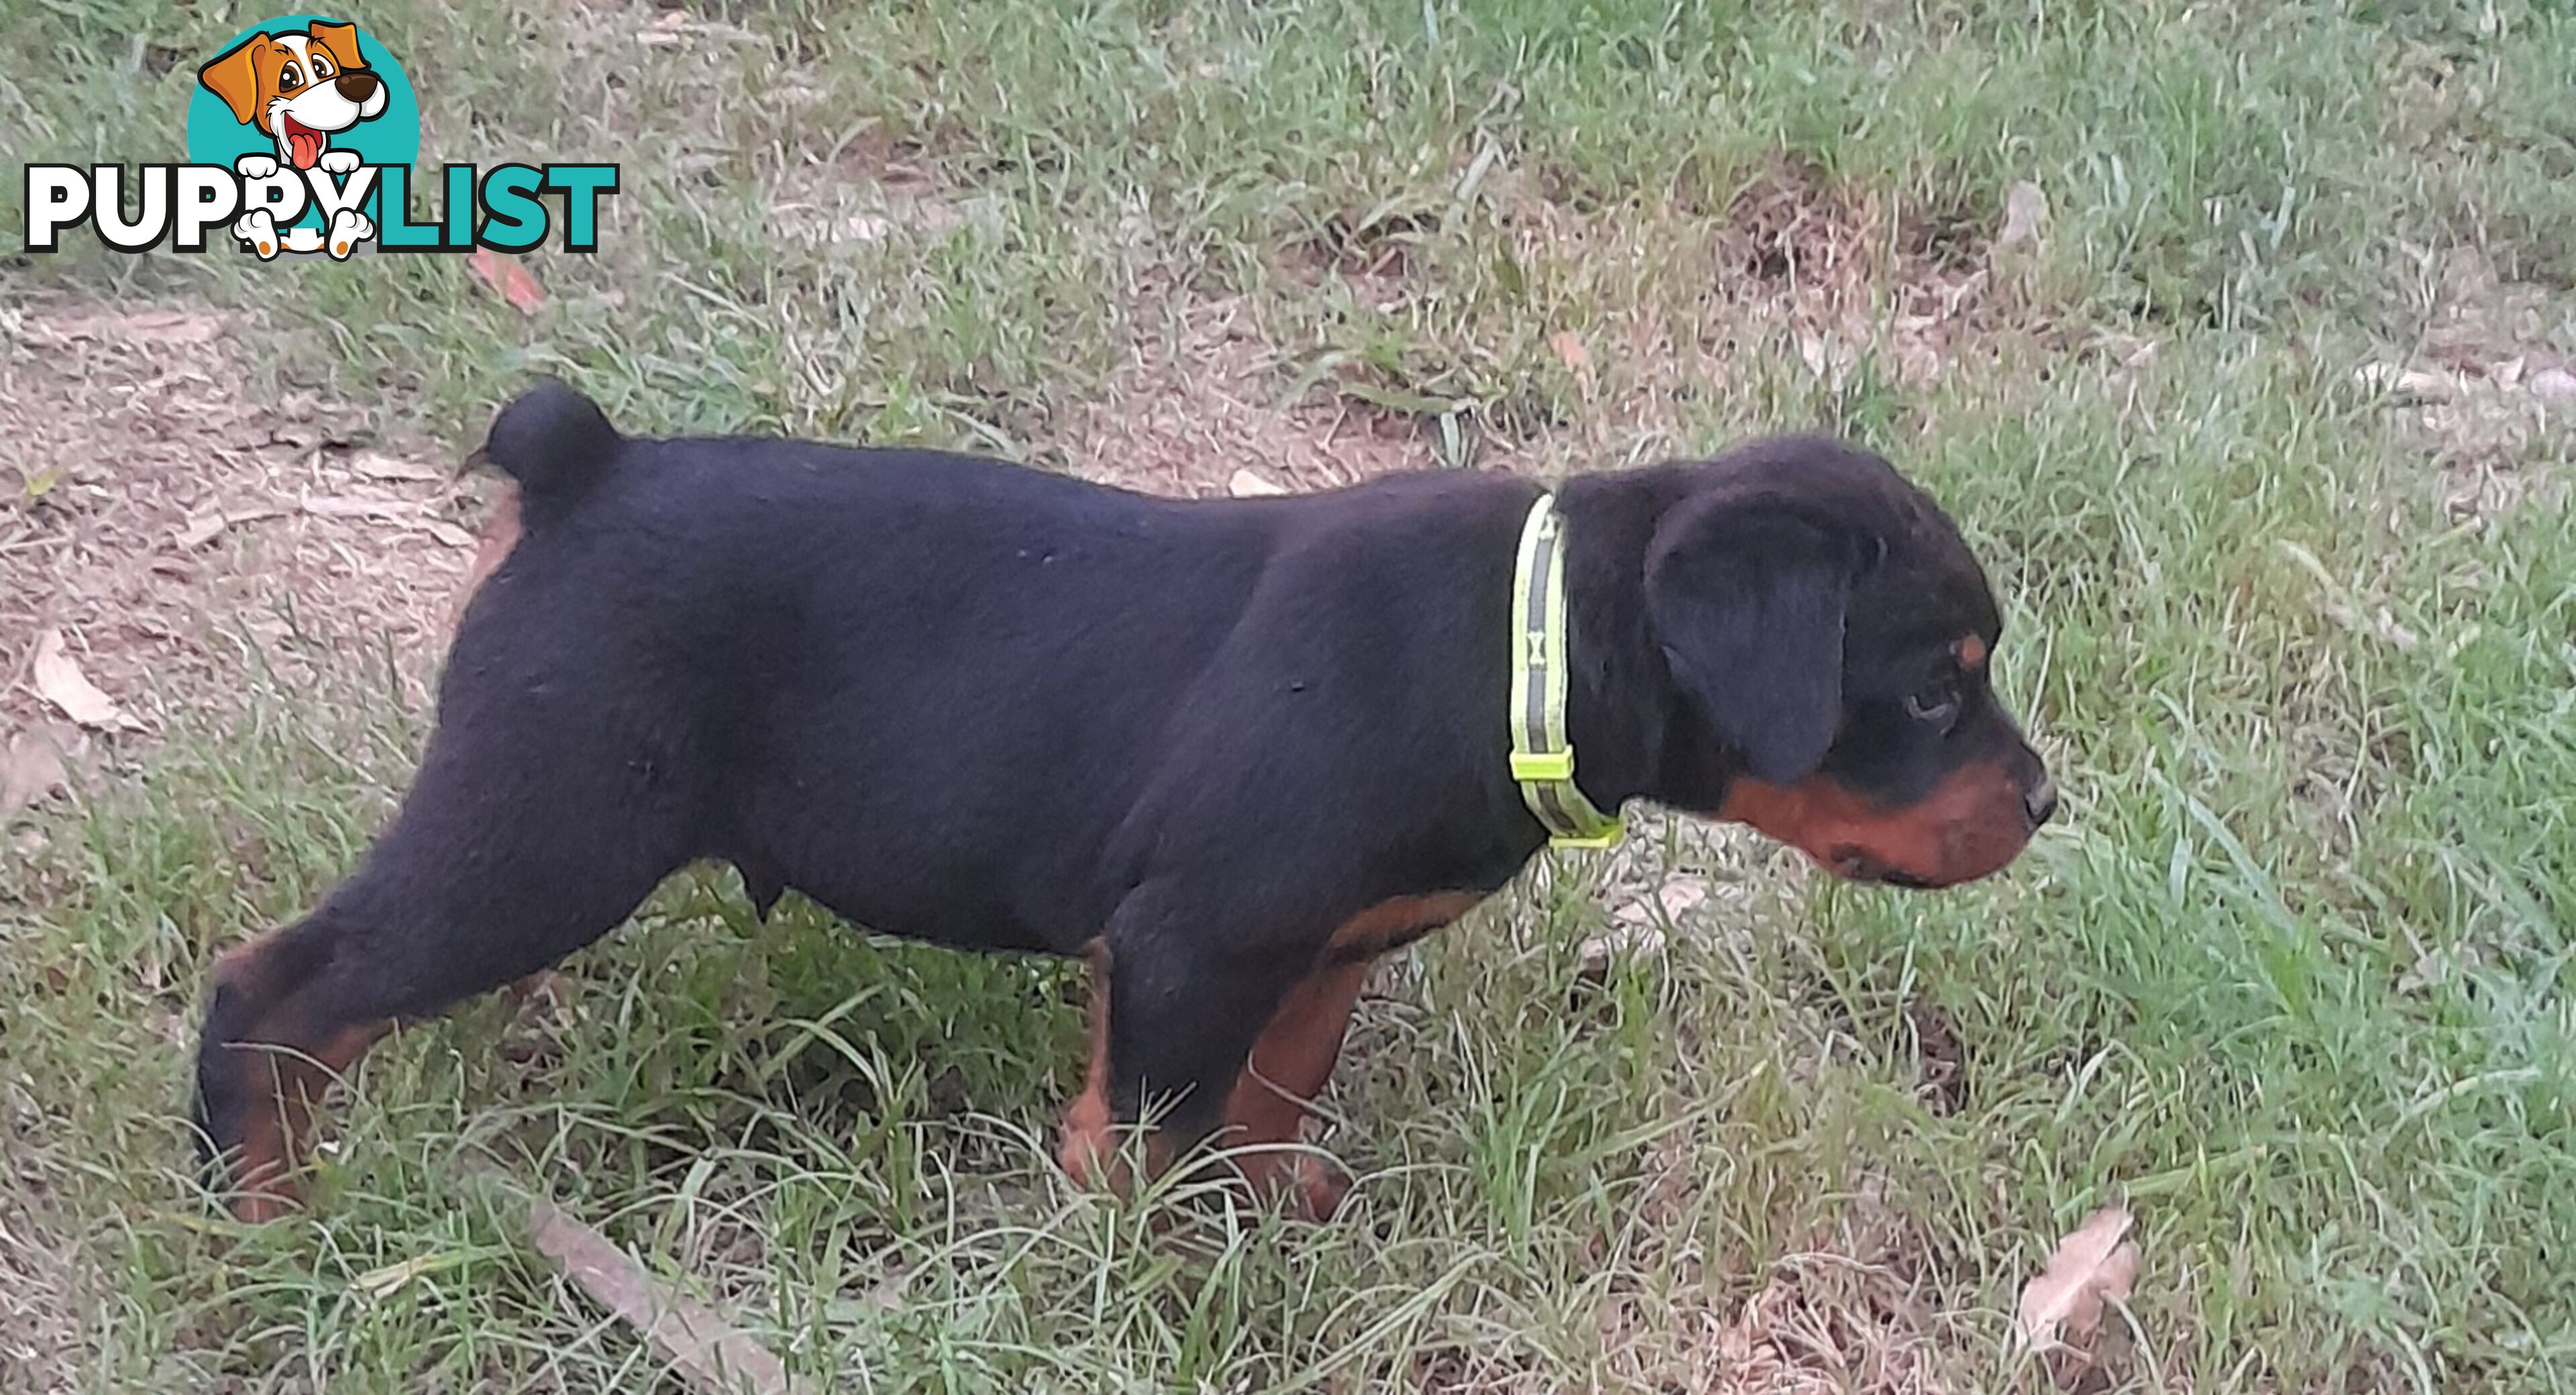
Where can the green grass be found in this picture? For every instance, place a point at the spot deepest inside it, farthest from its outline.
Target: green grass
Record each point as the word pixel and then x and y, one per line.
pixel 2292 978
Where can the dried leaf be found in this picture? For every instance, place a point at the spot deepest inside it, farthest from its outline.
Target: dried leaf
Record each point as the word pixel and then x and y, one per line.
pixel 144 327
pixel 203 527
pixel 1569 349
pixel 2025 212
pixel 1637 926
pixel 31 769
pixel 346 506
pixel 665 28
pixel 1248 484
pixel 863 227
pixel 387 1280
pixel 2093 1266
pixel 511 279
pixel 59 680
pixel 2426 386
pixel 1678 894
pixel 702 1348
pixel 376 465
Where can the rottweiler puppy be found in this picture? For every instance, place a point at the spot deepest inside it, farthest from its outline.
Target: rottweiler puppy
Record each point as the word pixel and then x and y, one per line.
pixel 1228 750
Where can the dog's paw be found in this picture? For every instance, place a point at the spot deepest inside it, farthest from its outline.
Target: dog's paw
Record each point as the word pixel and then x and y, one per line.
pixel 255 166
pixel 339 161
pixel 349 227
pixel 259 230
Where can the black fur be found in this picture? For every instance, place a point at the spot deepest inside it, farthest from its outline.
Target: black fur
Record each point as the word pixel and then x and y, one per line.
pixel 555 442
pixel 999 709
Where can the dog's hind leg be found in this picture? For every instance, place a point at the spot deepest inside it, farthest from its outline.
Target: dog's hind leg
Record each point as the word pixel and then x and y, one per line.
pixel 493 870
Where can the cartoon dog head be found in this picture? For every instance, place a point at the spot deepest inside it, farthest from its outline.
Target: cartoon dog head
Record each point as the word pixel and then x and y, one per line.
pixel 298 87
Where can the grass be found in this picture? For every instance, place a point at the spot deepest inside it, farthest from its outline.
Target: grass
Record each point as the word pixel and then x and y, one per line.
pixel 2292 978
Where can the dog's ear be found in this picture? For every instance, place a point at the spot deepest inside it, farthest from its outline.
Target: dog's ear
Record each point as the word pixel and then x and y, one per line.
pixel 341 40
pixel 234 76
pixel 1747 596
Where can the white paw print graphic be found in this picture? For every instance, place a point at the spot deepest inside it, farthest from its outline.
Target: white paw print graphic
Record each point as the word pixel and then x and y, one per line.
pixel 259 230
pixel 349 227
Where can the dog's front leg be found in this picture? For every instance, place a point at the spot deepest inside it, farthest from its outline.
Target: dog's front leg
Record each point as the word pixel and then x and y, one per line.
pixel 1177 1004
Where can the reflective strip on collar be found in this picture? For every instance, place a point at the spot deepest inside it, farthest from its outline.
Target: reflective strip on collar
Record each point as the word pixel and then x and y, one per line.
pixel 1542 757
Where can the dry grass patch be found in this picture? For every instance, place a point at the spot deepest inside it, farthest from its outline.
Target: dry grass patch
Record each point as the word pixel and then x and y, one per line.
pixel 1202 394
pixel 174 521
pixel 2489 390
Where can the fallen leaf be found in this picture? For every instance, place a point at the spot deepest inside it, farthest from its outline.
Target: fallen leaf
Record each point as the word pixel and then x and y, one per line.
pixel 1569 349
pixel 387 1280
pixel 2025 212
pixel 1678 894
pixel 2426 386
pixel 2093 1266
pixel 864 227
pixel 665 28
pixel 376 465
pixel 1637 926
pixel 203 527
pixel 145 327
pixel 345 506
pixel 59 680
pixel 702 1349
pixel 2555 385
pixel 511 279
pixel 1249 484
pixel 31 769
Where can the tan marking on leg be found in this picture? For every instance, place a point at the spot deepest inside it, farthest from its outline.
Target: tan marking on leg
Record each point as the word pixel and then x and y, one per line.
pixel 1290 1066
pixel 287 1084
pixel 1089 1150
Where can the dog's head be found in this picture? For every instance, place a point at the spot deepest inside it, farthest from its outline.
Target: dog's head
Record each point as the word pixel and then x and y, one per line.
pixel 1825 619
pixel 298 87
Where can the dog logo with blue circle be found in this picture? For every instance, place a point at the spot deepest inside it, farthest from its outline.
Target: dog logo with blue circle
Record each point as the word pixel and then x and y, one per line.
pixel 303 139
pixel 297 97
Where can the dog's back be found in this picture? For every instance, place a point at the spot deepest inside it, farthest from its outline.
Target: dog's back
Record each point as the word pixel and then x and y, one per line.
pixel 949 660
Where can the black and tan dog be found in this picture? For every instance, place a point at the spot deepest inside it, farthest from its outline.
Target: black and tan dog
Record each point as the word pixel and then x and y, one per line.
pixel 1230 750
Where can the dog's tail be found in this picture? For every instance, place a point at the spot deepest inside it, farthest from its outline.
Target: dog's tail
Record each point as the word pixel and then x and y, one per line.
pixel 556 443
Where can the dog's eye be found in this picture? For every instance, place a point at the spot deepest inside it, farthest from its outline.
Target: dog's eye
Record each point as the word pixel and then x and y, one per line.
pixel 321 68
pixel 289 78
pixel 1937 704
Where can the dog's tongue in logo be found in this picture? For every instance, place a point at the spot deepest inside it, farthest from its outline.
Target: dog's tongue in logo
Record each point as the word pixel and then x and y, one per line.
pixel 304 144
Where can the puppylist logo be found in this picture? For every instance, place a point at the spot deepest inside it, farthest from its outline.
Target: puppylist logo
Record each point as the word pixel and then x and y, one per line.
pixel 303 135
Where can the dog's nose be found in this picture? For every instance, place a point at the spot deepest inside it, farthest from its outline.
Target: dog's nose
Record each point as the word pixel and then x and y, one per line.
pixel 357 87
pixel 2040 801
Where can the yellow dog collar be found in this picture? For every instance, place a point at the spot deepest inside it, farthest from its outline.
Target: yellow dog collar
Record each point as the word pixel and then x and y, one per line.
pixel 1542 757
